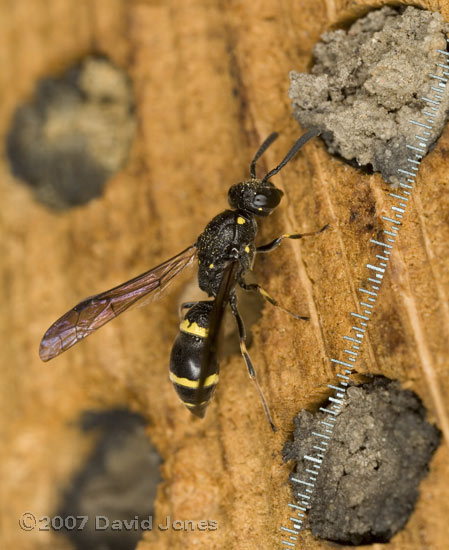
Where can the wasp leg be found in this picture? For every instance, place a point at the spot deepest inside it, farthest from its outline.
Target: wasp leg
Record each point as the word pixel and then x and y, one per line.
pixel 274 244
pixel 185 305
pixel 247 358
pixel 188 305
pixel 257 288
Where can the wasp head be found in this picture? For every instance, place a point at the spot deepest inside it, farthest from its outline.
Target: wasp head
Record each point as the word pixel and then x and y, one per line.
pixel 259 196
pixel 255 196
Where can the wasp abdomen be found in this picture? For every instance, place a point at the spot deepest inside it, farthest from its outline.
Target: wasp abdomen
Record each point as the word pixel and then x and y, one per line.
pixel 186 360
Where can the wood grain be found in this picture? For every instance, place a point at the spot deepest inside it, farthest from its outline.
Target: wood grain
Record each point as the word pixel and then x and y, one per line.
pixel 211 82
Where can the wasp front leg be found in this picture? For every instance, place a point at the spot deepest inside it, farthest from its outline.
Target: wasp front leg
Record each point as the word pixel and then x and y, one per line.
pixel 276 242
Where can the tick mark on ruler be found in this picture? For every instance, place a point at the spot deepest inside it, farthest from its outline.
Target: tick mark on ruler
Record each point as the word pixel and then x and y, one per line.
pixel 404 177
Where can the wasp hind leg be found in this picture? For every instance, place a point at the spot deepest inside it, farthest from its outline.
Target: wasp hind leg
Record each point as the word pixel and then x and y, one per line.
pixel 247 358
pixel 276 242
pixel 254 287
pixel 185 305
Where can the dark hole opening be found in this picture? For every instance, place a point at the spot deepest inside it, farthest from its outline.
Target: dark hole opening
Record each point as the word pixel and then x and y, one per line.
pixel 110 501
pixel 73 134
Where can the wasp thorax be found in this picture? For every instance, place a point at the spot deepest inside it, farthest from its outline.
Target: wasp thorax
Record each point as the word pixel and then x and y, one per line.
pixel 256 196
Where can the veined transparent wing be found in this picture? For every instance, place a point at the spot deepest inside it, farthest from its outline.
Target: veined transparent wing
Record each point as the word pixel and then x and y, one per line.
pixel 211 344
pixel 94 312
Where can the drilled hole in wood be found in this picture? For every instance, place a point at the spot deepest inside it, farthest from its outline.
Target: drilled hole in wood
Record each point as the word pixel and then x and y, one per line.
pixel 117 483
pixel 73 134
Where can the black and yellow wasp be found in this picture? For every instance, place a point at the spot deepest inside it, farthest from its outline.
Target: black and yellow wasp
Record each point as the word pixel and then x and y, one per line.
pixel 226 252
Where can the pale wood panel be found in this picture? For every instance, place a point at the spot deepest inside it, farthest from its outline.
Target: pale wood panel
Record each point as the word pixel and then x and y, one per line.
pixel 210 82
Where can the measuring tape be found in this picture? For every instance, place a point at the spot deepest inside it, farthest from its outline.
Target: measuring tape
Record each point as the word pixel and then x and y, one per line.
pixel 368 297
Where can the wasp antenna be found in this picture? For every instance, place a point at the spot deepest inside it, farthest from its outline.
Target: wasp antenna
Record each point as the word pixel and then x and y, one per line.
pixel 296 147
pixel 272 137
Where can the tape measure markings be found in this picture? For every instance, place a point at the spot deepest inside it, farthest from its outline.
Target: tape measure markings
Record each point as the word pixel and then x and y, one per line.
pixel 368 300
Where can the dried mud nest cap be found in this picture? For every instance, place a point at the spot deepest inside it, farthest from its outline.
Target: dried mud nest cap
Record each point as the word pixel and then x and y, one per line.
pixel 369 480
pixel 368 82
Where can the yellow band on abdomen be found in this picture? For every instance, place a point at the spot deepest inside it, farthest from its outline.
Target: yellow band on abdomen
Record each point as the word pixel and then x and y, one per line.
pixel 187 383
pixel 193 328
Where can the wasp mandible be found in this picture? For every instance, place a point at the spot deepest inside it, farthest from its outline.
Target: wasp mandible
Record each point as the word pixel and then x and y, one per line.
pixel 226 252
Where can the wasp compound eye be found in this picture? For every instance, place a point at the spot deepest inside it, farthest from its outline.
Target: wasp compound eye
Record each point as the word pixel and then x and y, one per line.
pixel 269 198
pixel 260 200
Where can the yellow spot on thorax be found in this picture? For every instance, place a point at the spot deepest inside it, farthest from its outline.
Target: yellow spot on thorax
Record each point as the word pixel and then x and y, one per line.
pixel 193 328
pixel 186 382
pixel 247 249
pixel 211 266
pixel 241 220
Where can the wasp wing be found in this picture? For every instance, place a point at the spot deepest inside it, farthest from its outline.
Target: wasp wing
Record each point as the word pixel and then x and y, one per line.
pixel 94 312
pixel 210 350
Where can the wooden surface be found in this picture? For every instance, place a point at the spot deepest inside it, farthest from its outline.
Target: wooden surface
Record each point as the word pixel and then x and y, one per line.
pixel 211 82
